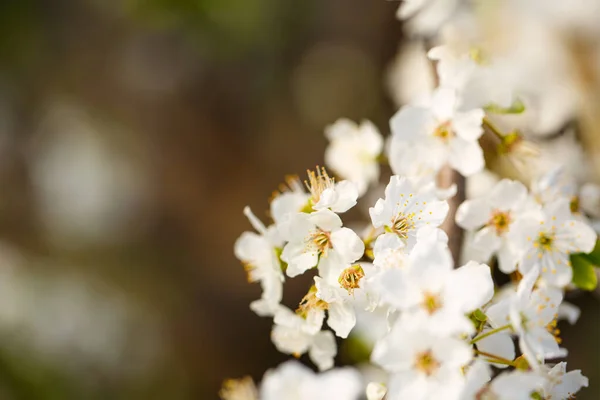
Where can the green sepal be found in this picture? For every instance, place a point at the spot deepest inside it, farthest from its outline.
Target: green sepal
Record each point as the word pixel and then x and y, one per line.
pixel 283 264
pixel 521 363
pixel 584 275
pixel 517 107
pixel 478 319
pixel 536 396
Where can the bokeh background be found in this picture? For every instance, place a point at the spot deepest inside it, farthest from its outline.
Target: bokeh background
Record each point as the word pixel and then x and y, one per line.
pixel 132 134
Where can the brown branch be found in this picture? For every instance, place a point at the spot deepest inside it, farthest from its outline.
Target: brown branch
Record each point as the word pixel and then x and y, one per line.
pixel 446 177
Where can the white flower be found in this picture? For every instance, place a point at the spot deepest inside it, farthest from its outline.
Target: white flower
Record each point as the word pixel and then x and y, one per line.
pixel 292 380
pixel 532 314
pixel 437 134
pixel 292 199
pixel 480 83
pixel 326 194
pixel 493 216
pixel 353 151
pixel 514 385
pixel 259 255
pixel 318 238
pixel 432 288
pixel 547 243
pixel 562 385
pixel 342 289
pixel 557 184
pixel 422 365
pixel 295 335
pixel 406 209
pixel 389 251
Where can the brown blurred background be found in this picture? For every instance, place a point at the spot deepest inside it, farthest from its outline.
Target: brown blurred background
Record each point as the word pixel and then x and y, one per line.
pixel 132 134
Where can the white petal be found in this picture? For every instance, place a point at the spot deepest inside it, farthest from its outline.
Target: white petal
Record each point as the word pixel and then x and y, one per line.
pixel 473 279
pixel 325 219
pixel 376 391
pixel 409 123
pixel 297 259
pixel 466 156
pixel 498 314
pixel 347 244
pixel 507 259
pixel 340 198
pixel 473 214
pixel 570 383
pixel 341 318
pixel 576 237
pixel 555 269
pixel 569 311
pixel 443 103
pixel 322 350
pixel 468 125
pixel 590 199
pixel 290 340
pixel 487 239
pixel 499 344
pixel 410 7
pixel 507 194
pixel 516 385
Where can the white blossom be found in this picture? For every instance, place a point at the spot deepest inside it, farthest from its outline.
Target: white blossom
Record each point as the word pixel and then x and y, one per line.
pixel 353 152
pixel 436 134
pixel 422 365
pixel 407 208
pixel 430 287
pixel 548 241
pixel 292 380
pixel 563 385
pixel 293 334
pixel 318 238
pixel 258 252
pixel 492 217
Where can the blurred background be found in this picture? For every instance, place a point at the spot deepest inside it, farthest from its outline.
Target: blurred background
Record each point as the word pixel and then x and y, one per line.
pixel 132 134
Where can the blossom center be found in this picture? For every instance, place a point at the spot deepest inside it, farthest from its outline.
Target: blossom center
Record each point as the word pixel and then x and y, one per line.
pixel 554 331
pixel 350 277
pixel 249 268
pixel 402 225
pixel 426 363
pixel 500 221
pixel 310 302
pixel 320 241
pixel 431 302
pixel 317 183
pixel 443 132
pixel 545 241
pixel 574 204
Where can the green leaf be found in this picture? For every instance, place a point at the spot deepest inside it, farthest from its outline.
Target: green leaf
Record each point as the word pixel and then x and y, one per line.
pixel 517 107
pixel 584 275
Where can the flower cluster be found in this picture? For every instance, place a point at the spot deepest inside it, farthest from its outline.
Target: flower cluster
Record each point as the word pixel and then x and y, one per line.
pixel 449 331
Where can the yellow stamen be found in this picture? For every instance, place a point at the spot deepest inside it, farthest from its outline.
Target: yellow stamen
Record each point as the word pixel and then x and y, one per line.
pixel 426 363
pixel 500 221
pixel 317 183
pixel 239 389
pixel 431 302
pixel 444 132
pixel 350 277
pixel 310 302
